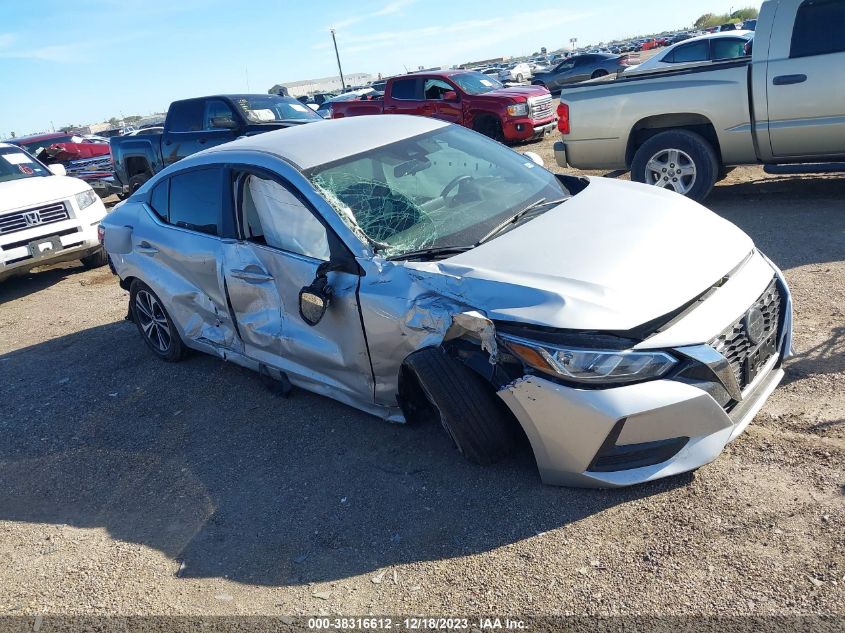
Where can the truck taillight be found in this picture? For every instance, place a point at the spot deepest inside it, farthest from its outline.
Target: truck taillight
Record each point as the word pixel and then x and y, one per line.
pixel 563 118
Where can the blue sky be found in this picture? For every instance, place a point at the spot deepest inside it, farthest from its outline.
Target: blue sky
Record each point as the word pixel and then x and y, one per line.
pixel 87 60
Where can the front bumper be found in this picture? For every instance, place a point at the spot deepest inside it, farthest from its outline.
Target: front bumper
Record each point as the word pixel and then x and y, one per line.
pixel 107 186
pixel 626 435
pixel 67 240
pixel 526 129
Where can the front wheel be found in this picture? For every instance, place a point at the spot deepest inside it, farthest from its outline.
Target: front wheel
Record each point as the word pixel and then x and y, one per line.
pixel 137 180
pixel 679 160
pixel 95 260
pixel 154 324
pixel 520 78
pixel 490 126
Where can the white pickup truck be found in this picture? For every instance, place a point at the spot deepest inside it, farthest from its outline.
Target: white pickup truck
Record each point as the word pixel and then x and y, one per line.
pixel 683 128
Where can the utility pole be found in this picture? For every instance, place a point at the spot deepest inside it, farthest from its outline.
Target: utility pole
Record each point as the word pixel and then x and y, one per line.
pixel 339 69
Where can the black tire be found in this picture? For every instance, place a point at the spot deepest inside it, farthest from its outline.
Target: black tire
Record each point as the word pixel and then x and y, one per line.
pixel 599 73
pixel 95 260
pixel 695 146
pixel 476 420
pixel 520 78
pixel 137 180
pixel 174 349
pixel 489 126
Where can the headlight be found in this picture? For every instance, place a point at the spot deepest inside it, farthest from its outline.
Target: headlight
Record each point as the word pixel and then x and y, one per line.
pixel 86 199
pixel 518 109
pixel 591 366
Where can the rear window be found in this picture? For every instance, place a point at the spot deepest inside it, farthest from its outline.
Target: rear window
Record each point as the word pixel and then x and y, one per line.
pixel 185 116
pixel 404 89
pixel 819 28
pixel 196 200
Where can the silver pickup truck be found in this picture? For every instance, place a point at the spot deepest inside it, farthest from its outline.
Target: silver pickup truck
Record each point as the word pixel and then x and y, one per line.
pixel 683 128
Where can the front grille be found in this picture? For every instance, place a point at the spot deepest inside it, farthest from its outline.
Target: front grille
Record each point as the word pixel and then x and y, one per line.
pixel 540 107
pixel 29 218
pixel 734 343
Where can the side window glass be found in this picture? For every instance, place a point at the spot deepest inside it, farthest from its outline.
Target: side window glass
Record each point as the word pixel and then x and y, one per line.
pixel 196 200
pixel 217 115
pixel 185 116
pixel 819 28
pixel 159 199
pixel 404 89
pixel 728 48
pixel 272 215
pixel 695 52
pixel 434 89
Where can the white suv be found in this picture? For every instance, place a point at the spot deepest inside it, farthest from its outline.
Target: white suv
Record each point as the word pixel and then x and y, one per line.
pixel 45 216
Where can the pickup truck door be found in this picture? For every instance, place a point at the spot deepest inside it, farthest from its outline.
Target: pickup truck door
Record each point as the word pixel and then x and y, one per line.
pixel 281 244
pixel 806 80
pixel 405 96
pixel 434 90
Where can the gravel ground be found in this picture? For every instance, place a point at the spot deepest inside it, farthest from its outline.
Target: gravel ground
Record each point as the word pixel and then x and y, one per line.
pixel 130 486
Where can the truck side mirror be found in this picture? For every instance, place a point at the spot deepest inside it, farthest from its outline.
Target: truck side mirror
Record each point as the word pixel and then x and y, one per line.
pixel 224 123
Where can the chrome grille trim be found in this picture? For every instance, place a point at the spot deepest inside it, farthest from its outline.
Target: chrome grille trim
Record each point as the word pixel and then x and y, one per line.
pixel 733 343
pixel 47 214
pixel 540 107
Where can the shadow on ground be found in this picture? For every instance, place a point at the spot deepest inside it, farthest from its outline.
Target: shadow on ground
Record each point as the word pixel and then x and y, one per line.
pixel 200 461
pixel 34 281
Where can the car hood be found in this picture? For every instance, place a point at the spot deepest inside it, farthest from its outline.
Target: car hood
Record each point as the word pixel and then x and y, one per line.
pixel 614 256
pixel 29 192
pixel 516 91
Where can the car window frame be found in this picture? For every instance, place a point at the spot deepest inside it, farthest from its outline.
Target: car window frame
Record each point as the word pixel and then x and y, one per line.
pixel 339 251
pixel 225 218
pixel 439 80
pixel 716 40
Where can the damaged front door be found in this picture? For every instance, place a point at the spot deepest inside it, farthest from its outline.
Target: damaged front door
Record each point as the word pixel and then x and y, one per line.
pixel 281 245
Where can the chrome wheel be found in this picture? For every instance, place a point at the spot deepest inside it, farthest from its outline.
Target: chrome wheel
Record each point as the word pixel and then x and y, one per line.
pixel 153 321
pixel 671 169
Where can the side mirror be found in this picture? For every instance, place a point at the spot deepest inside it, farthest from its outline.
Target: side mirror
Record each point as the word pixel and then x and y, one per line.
pixel 224 123
pixel 57 169
pixel 534 158
pixel 315 298
pixel 450 95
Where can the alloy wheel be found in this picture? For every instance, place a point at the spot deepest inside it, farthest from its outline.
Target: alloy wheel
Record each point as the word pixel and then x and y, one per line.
pixel 153 321
pixel 671 169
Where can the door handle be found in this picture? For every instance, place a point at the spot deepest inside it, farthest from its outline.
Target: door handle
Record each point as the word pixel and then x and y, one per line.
pixel 252 276
pixel 146 248
pixel 390 108
pixel 785 80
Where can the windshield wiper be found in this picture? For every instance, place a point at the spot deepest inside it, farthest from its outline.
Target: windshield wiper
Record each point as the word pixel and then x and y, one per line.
pixel 432 253
pixel 537 204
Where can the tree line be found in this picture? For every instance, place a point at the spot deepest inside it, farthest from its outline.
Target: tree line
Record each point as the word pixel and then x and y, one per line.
pixel 716 19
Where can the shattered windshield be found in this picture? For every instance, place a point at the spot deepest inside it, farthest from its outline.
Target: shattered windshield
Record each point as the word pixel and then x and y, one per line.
pixel 447 188
pixel 272 108
pixel 476 83
pixel 15 164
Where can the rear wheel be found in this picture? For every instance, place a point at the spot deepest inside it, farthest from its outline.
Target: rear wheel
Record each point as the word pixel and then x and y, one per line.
pixel 137 180
pixel 473 416
pixel 154 323
pixel 678 160
pixel 520 78
pixel 599 73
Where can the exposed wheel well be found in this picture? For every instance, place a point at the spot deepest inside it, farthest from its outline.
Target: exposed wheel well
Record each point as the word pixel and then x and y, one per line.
pixel 653 125
pixel 136 165
pixel 126 283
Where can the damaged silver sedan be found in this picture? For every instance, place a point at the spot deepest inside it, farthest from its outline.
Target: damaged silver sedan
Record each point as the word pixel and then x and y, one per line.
pixel 412 269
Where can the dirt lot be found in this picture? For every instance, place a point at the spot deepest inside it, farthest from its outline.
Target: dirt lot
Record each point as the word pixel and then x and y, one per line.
pixel 130 486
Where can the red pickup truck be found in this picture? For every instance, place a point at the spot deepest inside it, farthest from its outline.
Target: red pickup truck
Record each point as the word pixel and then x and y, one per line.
pixel 469 98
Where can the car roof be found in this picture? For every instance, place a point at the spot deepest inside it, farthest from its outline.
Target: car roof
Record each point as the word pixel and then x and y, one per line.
pixel 40 137
pixel 322 142
pixel 716 36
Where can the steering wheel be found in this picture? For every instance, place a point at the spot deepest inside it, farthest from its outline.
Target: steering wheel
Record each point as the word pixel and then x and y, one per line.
pixel 455 182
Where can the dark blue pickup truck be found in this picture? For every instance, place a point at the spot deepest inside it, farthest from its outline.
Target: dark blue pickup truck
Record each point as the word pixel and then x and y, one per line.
pixel 196 124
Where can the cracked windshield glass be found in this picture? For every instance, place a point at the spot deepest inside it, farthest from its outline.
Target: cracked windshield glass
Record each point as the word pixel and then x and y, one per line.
pixel 445 189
